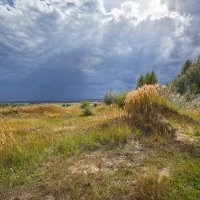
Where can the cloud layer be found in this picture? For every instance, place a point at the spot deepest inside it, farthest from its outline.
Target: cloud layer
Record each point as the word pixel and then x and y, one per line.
pixel 62 49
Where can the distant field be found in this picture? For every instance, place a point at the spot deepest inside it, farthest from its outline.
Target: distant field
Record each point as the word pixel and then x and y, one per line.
pixel 51 151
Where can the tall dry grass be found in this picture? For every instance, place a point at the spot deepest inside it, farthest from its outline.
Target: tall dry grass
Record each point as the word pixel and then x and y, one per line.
pixel 7 139
pixel 143 108
pixel 143 100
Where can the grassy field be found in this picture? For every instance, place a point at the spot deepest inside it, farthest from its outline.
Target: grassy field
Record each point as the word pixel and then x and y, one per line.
pixel 52 152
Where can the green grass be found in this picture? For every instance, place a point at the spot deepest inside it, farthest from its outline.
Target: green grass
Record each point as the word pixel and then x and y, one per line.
pixel 186 179
pixel 57 155
pixel 110 137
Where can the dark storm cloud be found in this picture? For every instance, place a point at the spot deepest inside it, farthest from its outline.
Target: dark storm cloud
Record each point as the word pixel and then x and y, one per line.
pixel 55 49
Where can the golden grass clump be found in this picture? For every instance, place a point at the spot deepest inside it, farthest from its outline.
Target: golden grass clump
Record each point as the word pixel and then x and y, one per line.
pixel 143 100
pixel 144 108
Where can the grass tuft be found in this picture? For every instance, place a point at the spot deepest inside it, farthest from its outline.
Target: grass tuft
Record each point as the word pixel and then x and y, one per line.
pixel 150 186
pixel 144 108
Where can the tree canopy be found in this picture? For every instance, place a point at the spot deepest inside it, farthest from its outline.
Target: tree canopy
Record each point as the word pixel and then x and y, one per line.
pixel 188 81
pixel 149 79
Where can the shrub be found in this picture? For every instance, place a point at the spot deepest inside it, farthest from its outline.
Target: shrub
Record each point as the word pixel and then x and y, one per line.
pixel 109 97
pixel 87 111
pixel 120 99
pixel 85 104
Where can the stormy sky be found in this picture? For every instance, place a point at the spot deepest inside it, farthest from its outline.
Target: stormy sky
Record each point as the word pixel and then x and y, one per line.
pixel 67 49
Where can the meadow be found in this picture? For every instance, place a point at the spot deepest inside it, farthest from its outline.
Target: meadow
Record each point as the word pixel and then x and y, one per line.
pixel 50 151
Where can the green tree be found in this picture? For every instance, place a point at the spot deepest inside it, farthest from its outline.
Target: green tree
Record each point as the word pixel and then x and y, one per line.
pixel 152 79
pixel 141 81
pixel 186 66
pixel 198 59
pixel 149 79
pixel 188 81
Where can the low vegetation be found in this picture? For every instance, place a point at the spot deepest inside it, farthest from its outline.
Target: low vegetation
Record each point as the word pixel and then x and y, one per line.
pixel 59 153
